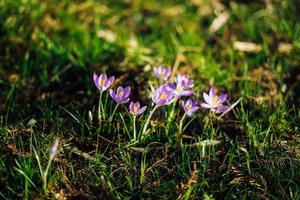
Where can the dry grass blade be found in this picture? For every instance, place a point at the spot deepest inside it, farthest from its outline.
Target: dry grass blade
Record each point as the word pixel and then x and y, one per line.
pixel 80 153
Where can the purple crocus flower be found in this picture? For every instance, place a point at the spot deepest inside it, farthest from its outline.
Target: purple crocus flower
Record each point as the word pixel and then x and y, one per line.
pixel 162 96
pixel 122 95
pixel 214 102
pixel 162 73
pixel 135 108
pixel 184 81
pixel 101 82
pixel 179 90
pixel 190 107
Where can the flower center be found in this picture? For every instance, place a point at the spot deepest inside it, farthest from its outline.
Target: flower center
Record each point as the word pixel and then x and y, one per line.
pixel 121 94
pixel 102 82
pixel 215 101
pixel 162 73
pixel 163 96
pixel 135 109
pixel 189 107
pixel 179 88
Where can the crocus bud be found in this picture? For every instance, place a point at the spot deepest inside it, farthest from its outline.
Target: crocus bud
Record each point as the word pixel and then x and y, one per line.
pixel 54 148
pixel 90 117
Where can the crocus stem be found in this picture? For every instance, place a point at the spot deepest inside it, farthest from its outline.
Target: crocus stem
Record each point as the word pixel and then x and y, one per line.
pixel 181 124
pixel 99 107
pixel 102 109
pixel 112 116
pixel 171 116
pixel 134 128
pixel 46 173
pixel 148 119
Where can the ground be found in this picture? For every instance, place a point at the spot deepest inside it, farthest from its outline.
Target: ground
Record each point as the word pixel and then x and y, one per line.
pixel 50 49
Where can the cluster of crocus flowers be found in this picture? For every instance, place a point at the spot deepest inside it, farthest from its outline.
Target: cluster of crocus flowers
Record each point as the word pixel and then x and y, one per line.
pixel 165 94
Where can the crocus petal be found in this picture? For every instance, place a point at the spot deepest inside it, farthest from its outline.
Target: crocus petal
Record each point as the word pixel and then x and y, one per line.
pixel 223 98
pixel 170 86
pixel 190 114
pixel 103 76
pixel 109 82
pixel 194 109
pixel 205 105
pixel 186 93
pixel 184 106
pixel 212 92
pixel 112 94
pixel 125 101
pixel 170 100
pixel 189 84
pixel 127 91
pixel 119 89
pixel 195 103
pixel 137 104
pixel 168 72
pixel 95 78
pixel 142 109
pixel 131 108
pixel 221 109
pixel 207 99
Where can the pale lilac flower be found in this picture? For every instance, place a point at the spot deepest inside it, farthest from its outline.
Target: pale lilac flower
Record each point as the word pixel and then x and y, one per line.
pixel 179 90
pixel 184 81
pixel 54 148
pixel 135 108
pixel 162 73
pixel 190 107
pixel 102 82
pixel 122 95
pixel 162 96
pixel 214 102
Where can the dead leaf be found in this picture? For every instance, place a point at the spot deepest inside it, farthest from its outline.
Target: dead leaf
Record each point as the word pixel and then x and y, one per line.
pixel 247 46
pixel 174 11
pixel 50 22
pixel 13 78
pixel 285 48
pixel 107 35
pixel 218 22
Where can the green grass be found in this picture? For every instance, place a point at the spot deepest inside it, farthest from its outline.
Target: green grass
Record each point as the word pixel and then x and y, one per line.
pixel 49 51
